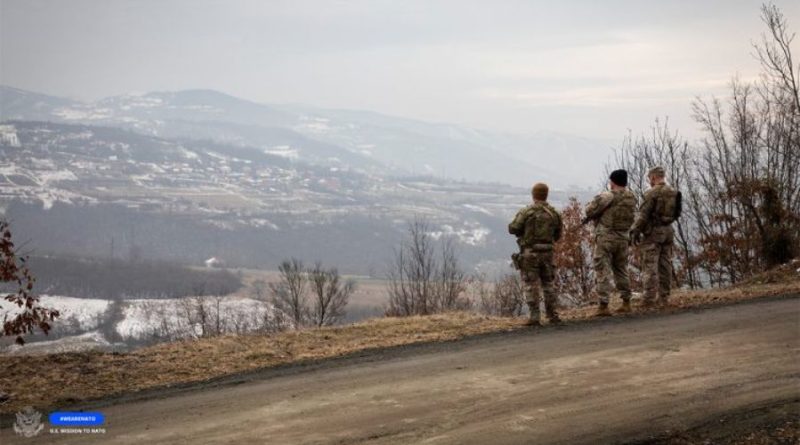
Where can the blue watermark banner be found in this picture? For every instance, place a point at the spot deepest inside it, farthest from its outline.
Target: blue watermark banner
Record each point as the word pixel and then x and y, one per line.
pixel 70 418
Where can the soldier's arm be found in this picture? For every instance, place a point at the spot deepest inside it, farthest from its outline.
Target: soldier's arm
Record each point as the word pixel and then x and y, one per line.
pixel 597 204
pixel 645 210
pixel 559 226
pixel 517 226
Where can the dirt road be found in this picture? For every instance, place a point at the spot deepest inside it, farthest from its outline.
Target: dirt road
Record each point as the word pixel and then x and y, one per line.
pixel 610 381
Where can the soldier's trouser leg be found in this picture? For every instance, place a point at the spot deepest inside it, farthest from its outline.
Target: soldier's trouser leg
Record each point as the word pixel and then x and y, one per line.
pixel 665 270
pixel 546 276
pixel 550 302
pixel 619 265
pixel 651 253
pixel 602 270
pixel 530 280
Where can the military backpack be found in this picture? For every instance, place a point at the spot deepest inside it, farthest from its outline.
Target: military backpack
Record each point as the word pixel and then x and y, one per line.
pixel 669 205
pixel 620 212
pixel 541 226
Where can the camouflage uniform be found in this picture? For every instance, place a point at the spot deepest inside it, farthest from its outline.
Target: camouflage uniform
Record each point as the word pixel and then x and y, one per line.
pixel 613 212
pixel 537 227
pixel 654 222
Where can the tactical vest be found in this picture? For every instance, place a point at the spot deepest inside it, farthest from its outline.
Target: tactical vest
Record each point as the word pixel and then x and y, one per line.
pixel 541 226
pixel 619 215
pixel 668 205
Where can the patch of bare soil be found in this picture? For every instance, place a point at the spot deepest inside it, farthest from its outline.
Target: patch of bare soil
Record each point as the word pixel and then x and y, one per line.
pixel 772 425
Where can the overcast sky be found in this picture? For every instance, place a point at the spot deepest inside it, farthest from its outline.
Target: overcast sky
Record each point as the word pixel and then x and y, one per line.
pixel 589 68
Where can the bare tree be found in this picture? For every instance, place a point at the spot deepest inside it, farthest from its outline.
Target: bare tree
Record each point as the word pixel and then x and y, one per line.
pixel 574 280
pixel 203 314
pixel 779 91
pixel 411 274
pixel 746 201
pixel 260 288
pixel 289 293
pixel 159 326
pixel 218 315
pixel 418 284
pixel 780 81
pixel 330 295
pixel 505 297
pixel 272 320
pixel 31 314
pixel 450 280
pixel 107 325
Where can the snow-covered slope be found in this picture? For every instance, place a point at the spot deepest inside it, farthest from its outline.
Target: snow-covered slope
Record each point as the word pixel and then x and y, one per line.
pixel 363 140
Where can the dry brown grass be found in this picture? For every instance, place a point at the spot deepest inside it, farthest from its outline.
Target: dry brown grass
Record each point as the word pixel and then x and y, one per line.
pixel 60 379
pixel 45 381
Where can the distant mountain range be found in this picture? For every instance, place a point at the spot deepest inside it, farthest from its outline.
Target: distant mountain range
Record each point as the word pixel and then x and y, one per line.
pixel 197 174
pixel 366 141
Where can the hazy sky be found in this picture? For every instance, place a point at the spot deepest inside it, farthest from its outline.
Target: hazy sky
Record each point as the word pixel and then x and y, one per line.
pixel 591 68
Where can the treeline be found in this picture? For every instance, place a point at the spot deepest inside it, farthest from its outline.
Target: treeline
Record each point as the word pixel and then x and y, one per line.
pixel 308 296
pixel 119 279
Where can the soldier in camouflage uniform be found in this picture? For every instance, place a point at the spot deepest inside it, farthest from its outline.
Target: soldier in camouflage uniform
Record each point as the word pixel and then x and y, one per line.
pixel 537 227
pixel 652 231
pixel 613 213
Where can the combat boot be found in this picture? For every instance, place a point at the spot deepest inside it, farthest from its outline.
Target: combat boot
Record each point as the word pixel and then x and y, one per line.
pixel 648 303
pixel 533 315
pixel 625 308
pixel 553 318
pixel 602 310
pixel 533 320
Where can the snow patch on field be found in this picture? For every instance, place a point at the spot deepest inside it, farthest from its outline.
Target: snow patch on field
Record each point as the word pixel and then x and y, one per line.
pixel 478 209
pixel 314 125
pixel 85 309
pixel 10 169
pixel 87 113
pixel 180 318
pixel 48 197
pixel 283 151
pixel 143 320
pixel 88 341
pixel 473 234
pixel 261 222
pixel 8 136
pixel 46 177
pixel 188 154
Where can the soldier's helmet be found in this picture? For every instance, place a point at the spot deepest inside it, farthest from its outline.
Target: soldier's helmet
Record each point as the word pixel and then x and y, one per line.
pixel 540 191
pixel 657 171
